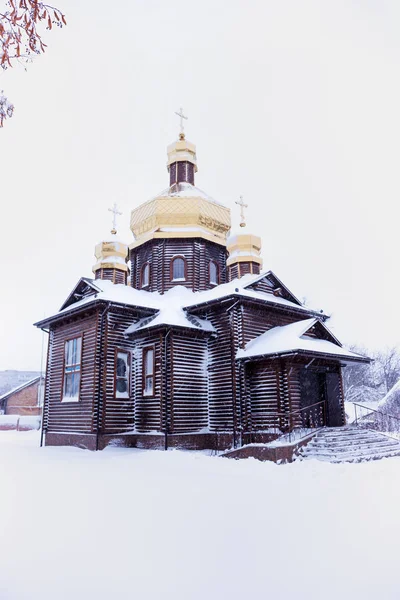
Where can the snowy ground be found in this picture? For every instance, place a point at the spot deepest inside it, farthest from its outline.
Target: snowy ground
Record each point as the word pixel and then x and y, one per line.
pixel 134 524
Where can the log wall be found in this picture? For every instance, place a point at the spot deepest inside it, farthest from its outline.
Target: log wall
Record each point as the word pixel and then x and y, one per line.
pixel 190 383
pixel 159 254
pixel 62 416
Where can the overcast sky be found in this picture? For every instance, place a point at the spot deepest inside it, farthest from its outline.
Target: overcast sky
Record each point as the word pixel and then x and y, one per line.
pixel 294 104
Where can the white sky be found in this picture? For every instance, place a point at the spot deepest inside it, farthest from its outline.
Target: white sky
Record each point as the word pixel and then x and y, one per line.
pixel 295 104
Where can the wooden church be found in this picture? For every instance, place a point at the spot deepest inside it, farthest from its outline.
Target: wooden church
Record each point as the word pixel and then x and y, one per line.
pixel 192 345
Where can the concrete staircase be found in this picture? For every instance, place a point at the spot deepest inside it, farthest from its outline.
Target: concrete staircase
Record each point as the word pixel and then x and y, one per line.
pixel 349 444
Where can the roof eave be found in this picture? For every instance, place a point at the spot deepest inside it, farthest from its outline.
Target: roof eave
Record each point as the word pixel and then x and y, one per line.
pixel 91 305
pixel 236 295
pixel 161 326
pixel 312 354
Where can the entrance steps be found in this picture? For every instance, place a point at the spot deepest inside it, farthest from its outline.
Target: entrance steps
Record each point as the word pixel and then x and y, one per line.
pixel 349 444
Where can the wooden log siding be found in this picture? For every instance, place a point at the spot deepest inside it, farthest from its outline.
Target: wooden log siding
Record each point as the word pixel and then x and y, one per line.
pixel 159 254
pixel 234 271
pixel 263 382
pixel 220 369
pixel 148 410
pixel 72 416
pixel 118 415
pixel 114 275
pixel 258 320
pixel 49 369
pixel 190 388
pixel 264 285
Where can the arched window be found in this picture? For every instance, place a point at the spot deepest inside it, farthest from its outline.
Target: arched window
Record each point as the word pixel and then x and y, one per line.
pixel 213 272
pixel 145 275
pixel 178 269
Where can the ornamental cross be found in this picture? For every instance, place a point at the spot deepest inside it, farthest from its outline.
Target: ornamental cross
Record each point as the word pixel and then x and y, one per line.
pixel 242 207
pixel 181 116
pixel 115 212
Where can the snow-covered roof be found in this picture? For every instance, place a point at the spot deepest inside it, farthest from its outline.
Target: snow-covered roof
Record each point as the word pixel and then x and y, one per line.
pixel 240 288
pixel 290 339
pixel 183 297
pixel 171 312
pixel 19 388
pixel 120 294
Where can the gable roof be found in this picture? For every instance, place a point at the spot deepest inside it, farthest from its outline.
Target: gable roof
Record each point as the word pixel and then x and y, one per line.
pixel 84 288
pixel 293 339
pixel 104 290
pixel 19 388
pixel 275 284
pixel 242 288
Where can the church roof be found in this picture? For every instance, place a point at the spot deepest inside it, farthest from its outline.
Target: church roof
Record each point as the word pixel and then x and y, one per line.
pixel 91 291
pixel 293 338
pixel 171 313
pixel 242 288
pixel 186 190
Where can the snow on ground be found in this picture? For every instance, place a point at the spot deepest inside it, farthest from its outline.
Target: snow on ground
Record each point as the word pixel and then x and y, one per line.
pixel 175 525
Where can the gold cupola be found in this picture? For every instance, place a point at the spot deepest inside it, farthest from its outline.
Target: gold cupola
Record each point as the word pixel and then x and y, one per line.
pixel 182 210
pixel 244 250
pixel 111 255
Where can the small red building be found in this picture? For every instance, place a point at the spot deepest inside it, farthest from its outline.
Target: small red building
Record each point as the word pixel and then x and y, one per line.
pixel 24 400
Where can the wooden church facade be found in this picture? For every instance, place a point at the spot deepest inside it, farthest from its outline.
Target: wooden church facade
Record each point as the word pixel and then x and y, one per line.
pixel 197 349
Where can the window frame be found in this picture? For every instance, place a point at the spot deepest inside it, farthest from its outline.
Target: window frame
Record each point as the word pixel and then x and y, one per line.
pixel 171 269
pixel 142 270
pixel 72 399
pixel 214 262
pixel 129 363
pixel 146 349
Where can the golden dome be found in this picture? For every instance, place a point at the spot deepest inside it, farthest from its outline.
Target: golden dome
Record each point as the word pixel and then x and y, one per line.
pixel 183 210
pixel 111 254
pixel 180 151
pixel 244 247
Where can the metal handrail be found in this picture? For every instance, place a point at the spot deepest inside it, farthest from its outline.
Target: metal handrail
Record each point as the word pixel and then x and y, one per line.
pixel 381 412
pixel 288 416
pixel 375 426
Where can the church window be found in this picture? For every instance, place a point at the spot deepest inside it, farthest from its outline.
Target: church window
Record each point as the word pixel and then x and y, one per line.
pixel 122 374
pixel 178 269
pixel 148 371
pixel 213 272
pixel 72 369
pixel 145 275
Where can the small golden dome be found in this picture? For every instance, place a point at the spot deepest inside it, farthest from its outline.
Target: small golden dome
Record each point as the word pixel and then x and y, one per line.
pixel 244 247
pixel 182 151
pixel 111 254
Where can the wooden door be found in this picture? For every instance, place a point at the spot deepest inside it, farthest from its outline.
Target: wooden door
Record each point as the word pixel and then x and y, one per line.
pixel 334 402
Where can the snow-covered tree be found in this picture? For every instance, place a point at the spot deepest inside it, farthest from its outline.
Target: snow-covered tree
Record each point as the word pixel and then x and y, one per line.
pixel 370 382
pixel 21 26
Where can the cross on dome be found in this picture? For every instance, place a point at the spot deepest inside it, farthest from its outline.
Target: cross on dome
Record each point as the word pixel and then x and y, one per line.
pixel 242 207
pixel 115 212
pixel 181 117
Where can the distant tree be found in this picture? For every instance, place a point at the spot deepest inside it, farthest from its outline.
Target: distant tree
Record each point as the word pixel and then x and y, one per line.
pixel 388 362
pixel 370 382
pixel 20 37
pixel 360 381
